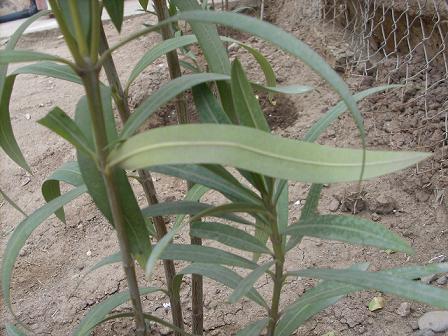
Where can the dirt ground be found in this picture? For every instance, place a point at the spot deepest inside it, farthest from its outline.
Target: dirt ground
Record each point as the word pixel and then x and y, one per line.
pixel 50 294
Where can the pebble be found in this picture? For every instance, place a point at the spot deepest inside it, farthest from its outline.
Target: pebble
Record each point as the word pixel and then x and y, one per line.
pixel 27 116
pixel 428 279
pixel 89 253
pixel 383 205
pixel 436 321
pixel 425 332
pixel 375 217
pixel 334 205
pixel 404 309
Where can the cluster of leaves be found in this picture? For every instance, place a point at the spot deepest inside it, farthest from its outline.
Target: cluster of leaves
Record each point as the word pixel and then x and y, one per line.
pixel 236 134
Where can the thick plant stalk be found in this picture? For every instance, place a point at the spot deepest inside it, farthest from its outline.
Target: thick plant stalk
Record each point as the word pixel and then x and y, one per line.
pixel 145 177
pixel 197 306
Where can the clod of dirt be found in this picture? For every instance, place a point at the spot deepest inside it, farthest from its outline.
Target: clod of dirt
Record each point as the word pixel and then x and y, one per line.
pixel 334 205
pixel 404 309
pixel 436 321
pixel 375 217
pixel 421 195
pixel 354 202
pixel 442 280
pixel 383 205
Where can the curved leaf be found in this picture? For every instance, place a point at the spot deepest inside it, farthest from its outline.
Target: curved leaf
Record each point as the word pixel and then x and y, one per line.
pixel 220 274
pixel 205 254
pixel 12 330
pixel 228 235
pixel 21 56
pixel 23 231
pixel 349 229
pixel 384 282
pixel 69 173
pixel 256 151
pixel 49 69
pixel 221 210
pixel 12 203
pixel 209 109
pixel 253 329
pixel 99 312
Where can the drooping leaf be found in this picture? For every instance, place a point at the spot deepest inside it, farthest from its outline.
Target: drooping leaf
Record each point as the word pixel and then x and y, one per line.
pixel 60 123
pixel 228 235
pixel 220 210
pixel 350 229
pixel 205 254
pixel 49 69
pixel 246 105
pixel 12 330
pixel 69 173
pixel 253 329
pixel 144 4
pixel 220 274
pixel 246 284
pixel 164 95
pixel 108 260
pixel 256 151
pixel 23 231
pixel 385 283
pixel 21 56
pixel 209 109
pixel 115 9
pixel 12 203
pixel 320 126
pixel 99 311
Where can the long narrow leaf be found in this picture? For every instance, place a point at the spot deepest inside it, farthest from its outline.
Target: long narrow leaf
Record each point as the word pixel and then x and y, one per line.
pixel 49 69
pixel 220 210
pixel 350 229
pixel 21 56
pixel 23 231
pixel 99 312
pixel 12 203
pixel 69 173
pixel 228 235
pixel 253 329
pixel 256 151
pixel 220 274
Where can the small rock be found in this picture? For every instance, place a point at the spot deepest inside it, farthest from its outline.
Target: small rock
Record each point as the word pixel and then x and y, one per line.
pixel 354 202
pixel 334 205
pixel 425 332
pixel 413 325
pixel 404 309
pixel 89 253
pixel 383 205
pixel 442 280
pixel 23 252
pixel 375 217
pixel 428 279
pixel 436 321
pixel 234 47
pixel 27 116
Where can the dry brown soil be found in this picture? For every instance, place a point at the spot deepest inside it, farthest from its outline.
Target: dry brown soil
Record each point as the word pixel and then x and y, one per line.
pixel 50 295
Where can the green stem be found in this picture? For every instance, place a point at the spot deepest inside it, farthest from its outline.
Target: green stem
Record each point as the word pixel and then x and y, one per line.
pixel 79 34
pixel 92 87
pixel 95 39
pixel 145 177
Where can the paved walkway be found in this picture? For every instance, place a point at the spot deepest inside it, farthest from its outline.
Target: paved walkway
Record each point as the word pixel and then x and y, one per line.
pixel 131 7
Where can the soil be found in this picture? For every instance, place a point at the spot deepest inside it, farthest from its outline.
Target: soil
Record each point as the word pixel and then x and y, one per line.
pixel 50 289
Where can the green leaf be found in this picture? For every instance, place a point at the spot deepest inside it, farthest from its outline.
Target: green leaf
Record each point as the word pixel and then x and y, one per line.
pixel 20 56
pixel 12 203
pixel 69 173
pixel 312 302
pixel 23 231
pixel 385 283
pixel 194 193
pixel 350 229
pixel 214 177
pixel 209 109
pixel 262 236
pixel 288 89
pixel 84 9
pixel 60 123
pixel 116 12
pixel 253 329
pixel 190 208
pixel 320 126
pixel 49 69
pixel 280 38
pixel 108 260
pixel 228 235
pixel 164 95
pixel 256 151
pixel 283 210
pixel 135 226
pixel 309 209
pixel 144 4
pixel 220 274
pixel 205 254
pixel 99 312
pixel 12 330
pixel 247 283
pixel 248 109
pixel 7 140
pixel 221 210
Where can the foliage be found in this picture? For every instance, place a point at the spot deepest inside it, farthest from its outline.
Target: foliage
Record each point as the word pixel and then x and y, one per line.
pixel 233 132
